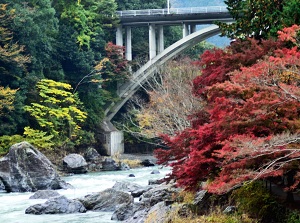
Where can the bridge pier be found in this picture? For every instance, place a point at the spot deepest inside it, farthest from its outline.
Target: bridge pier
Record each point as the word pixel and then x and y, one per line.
pixel 152 41
pixel 119 36
pixel 188 29
pixel 128 52
pixel 113 139
pixel 156 42
pixel 160 40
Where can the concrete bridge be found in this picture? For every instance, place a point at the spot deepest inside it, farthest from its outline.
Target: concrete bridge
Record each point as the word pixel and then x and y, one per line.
pixel 156 19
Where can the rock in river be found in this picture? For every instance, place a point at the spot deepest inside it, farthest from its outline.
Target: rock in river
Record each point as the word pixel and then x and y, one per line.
pixel 25 169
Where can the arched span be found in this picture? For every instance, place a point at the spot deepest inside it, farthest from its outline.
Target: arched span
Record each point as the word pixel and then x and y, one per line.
pixel 148 70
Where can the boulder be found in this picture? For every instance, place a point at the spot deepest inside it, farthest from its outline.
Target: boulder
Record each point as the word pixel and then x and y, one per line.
pixel 57 205
pixel 74 163
pixel 158 181
pixel 124 166
pixel 126 186
pixel 140 191
pixel 202 201
pixel 107 200
pixel 91 154
pixel 158 194
pixel 147 163
pixel 123 212
pixel 110 164
pixel 44 194
pixel 155 172
pixel 152 206
pixel 25 169
pixel 158 213
pixel 230 210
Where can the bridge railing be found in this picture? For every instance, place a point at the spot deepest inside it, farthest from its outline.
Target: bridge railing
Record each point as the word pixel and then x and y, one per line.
pixel 176 11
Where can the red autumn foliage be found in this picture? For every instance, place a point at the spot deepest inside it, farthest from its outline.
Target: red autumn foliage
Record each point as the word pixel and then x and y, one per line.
pixel 216 64
pixel 249 127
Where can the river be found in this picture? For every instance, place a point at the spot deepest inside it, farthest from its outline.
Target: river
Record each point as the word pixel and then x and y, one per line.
pixel 13 205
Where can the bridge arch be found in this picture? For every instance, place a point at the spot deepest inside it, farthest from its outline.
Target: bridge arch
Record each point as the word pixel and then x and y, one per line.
pixel 151 67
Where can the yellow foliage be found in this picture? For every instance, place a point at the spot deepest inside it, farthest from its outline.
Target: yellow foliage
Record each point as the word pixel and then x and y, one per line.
pixel 144 120
pixel 101 64
pixel 7 97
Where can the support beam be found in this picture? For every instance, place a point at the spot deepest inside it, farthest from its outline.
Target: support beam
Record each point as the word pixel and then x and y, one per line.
pixel 119 36
pixel 185 30
pixel 193 28
pixel 152 41
pixel 160 39
pixel 128 49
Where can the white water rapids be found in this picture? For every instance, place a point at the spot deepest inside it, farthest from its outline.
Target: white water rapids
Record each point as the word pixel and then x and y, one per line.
pixel 13 205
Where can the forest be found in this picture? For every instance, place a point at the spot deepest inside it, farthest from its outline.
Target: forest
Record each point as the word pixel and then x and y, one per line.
pixel 224 118
pixel 59 69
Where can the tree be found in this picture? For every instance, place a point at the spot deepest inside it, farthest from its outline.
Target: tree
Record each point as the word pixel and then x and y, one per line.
pixel 259 19
pixel 217 63
pixel 57 112
pixel 7 97
pixel 291 13
pixel 248 130
pixel 170 101
pixel 13 64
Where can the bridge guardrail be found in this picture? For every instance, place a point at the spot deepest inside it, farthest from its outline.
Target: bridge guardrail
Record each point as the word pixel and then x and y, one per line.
pixel 177 11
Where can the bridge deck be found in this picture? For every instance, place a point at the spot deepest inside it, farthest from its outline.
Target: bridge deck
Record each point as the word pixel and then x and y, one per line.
pixel 173 16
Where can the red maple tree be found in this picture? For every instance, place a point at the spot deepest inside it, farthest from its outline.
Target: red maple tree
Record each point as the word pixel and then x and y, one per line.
pixel 249 127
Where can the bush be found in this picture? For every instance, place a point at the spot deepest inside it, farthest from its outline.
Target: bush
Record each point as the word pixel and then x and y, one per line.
pixel 255 200
pixel 7 141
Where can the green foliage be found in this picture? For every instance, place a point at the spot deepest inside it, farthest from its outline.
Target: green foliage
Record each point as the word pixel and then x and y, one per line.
pixel 258 19
pixel 87 17
pixel 7 141
pixel 58 112
pixel 38 138
pixel 35 26
pixel 197 50
pixel 291 13
pixel 293 217
pixel 255 200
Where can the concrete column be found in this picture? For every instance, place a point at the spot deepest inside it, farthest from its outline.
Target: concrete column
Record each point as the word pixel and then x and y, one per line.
pixel 160 39
pixel 128 49
pixel 152 41
pixel 185 30
pixel 193 28
pixel 119 36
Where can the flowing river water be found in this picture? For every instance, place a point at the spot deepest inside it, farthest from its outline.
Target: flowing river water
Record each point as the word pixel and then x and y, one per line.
pixel 13 205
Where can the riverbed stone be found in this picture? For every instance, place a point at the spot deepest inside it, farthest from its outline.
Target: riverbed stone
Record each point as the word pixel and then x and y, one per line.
pixel 126 186
pixel 140 191
pixel 123 212
pixel 147 163
pixel 91 154
pixel 107 200
pixel 155 172
pixel 110 164
pixel 158 194
pixel 25 169
pixel 44 194
pixel 151 206
pixel 75 163
pixel 57 205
